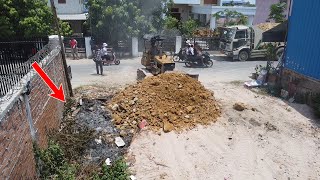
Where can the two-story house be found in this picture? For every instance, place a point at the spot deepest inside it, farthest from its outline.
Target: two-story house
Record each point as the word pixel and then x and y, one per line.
pixel 72 11
pixel 203 10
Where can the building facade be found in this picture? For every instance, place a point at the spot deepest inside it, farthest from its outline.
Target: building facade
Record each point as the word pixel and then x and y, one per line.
pixel 263 9
pixel 74 12
pixel 203 10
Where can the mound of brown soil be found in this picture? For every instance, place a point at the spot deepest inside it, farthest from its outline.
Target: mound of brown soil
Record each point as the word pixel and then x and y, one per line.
pixel 171 101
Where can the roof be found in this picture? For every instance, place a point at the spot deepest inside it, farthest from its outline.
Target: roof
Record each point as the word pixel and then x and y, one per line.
pixel 78 17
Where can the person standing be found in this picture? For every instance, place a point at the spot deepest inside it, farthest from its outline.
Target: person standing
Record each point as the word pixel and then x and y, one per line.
pixel 74 49
pixel 98 60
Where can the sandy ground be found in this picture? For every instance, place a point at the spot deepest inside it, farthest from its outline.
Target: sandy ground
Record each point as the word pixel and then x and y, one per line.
pixel 278 141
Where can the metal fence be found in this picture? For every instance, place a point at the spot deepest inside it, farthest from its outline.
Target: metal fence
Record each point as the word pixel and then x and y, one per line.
pixel 206 43
pixel 16 58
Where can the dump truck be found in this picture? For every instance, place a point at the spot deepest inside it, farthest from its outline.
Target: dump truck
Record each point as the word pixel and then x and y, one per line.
pixel 244 42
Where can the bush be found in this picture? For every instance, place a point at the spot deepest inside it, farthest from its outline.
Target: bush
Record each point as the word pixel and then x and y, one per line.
pixel 118 171
pixel 51 163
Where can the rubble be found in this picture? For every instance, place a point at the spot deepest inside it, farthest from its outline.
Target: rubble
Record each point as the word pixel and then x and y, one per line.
pixel 167 98
pixel 119 142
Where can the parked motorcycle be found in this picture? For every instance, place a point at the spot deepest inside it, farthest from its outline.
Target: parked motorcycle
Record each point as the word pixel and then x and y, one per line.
pixel 193 61
pixel 181 56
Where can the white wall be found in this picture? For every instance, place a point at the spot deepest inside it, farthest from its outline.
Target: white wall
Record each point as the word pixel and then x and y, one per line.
pixel 186 1
pixel 70 7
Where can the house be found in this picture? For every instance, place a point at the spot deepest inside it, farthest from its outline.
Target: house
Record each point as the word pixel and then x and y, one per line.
pixel 301 74
pixel 74 12
pixel 263 9
pixel 203 10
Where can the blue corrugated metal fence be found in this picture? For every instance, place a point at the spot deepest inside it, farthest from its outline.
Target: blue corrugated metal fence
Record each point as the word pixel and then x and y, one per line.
pixel 303 52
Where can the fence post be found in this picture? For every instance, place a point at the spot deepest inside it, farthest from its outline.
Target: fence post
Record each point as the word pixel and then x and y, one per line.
pixel 88 46
pixel 212 22
pixel 178 43
pixel 135 51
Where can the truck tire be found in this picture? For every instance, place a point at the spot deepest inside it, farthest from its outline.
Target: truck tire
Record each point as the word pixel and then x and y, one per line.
pixel 279 53
pixel 243 55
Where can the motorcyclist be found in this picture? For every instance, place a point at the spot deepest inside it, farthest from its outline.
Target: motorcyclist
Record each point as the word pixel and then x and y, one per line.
pixel 104 53
pixel 198 53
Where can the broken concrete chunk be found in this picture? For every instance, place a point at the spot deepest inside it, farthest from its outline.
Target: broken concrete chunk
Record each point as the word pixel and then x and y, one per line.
pixel 119 142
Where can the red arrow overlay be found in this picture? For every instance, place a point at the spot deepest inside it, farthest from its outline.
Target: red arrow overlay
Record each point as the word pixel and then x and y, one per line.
pixel 57 93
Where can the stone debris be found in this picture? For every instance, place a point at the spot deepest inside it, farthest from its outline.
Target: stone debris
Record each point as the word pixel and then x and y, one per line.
pixel 239 106
pixel 119 142
pixel 172 98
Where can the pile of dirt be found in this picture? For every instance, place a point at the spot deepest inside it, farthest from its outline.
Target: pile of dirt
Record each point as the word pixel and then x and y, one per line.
pixel 267 26
pixel 172 101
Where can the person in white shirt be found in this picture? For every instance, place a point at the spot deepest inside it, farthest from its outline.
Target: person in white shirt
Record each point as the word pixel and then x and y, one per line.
pixel 190 50
pixel 104 53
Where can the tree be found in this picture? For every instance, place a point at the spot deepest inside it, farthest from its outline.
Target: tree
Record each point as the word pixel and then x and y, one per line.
pixel 188 27
pixel 27 18
pixel 277 12
pixel 113 20
pixel 232 17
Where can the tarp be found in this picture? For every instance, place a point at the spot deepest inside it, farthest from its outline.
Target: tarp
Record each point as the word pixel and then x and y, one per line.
pixel 276 34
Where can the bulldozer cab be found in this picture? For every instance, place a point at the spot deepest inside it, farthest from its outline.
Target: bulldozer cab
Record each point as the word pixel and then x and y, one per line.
pixel 153 44
pixel 154 59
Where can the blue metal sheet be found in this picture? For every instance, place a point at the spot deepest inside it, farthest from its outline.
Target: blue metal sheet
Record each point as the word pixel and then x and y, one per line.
pixel 303 52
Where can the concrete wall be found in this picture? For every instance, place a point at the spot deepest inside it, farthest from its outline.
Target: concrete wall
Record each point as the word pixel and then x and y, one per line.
pixel 16 151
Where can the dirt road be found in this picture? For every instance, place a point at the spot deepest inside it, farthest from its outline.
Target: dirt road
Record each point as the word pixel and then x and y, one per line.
pixel 277 141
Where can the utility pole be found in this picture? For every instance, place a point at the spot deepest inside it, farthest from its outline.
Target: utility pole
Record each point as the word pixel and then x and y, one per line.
pixel 55 17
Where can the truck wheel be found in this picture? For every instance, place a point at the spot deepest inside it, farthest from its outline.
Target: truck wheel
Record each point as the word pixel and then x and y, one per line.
pixel 243 55
pixel 279 53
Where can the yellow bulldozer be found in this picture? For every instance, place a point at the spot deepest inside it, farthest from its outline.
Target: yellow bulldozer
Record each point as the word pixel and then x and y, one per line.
pixel 154 59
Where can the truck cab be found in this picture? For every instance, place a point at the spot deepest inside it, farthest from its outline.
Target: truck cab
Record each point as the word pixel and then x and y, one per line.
pixel 242 42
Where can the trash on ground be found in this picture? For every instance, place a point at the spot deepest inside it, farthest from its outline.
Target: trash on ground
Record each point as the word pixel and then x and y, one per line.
pixel 119 142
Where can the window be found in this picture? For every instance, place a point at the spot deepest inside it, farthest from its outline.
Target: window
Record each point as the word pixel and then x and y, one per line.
pixel 241 35
pixel 61 1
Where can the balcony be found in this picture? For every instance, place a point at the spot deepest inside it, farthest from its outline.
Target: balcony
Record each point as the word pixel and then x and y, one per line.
pixel 189 2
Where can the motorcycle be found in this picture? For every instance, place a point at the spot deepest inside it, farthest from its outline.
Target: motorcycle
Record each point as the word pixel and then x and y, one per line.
pixel 113 58
pixel 181 56
pixel 193 61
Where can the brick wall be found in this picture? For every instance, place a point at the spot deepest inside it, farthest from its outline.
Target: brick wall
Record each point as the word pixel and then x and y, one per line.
pixel 16 153
pixel 298 84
